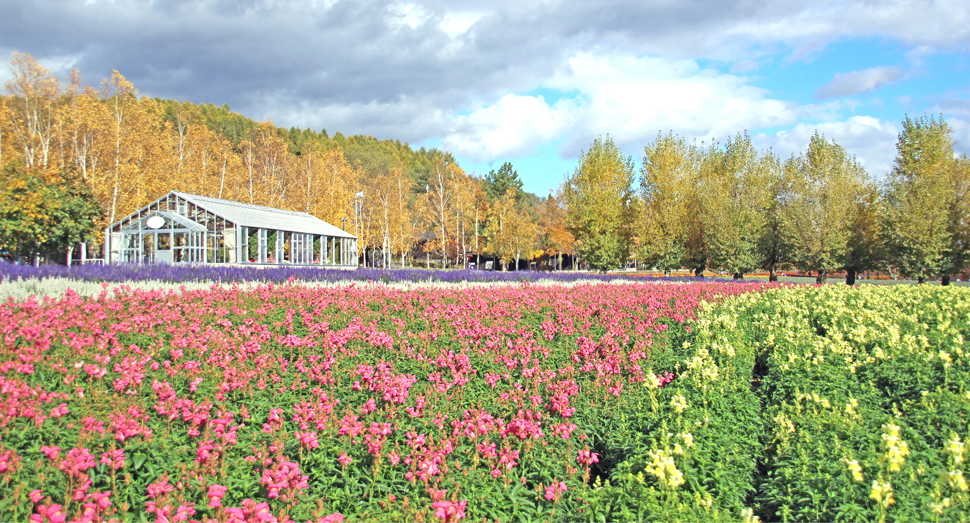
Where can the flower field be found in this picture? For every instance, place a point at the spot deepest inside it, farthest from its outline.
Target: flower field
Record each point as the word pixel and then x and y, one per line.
pixel 301 403
pixel 593 402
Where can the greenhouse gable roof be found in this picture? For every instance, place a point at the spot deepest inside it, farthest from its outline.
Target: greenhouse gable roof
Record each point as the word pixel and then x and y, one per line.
pixel 249 215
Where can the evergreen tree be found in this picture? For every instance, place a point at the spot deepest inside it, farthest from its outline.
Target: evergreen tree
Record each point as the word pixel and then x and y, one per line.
pixel 497 183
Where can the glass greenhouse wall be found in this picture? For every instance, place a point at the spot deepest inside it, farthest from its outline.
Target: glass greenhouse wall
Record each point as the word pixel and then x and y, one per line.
pixel 186 228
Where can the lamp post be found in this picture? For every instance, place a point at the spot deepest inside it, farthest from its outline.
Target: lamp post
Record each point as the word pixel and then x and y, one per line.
pixel 358 207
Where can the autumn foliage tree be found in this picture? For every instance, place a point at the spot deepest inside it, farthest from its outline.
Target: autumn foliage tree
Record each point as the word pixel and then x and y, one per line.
pixel 824 189
pixel 669 178
pixel 599 196
pixel 924 212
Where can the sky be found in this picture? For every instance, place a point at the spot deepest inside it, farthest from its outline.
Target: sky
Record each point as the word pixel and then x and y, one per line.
pixel 531 82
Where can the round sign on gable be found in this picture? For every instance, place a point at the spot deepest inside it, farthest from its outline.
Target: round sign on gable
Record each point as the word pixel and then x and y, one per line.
pixel 155 222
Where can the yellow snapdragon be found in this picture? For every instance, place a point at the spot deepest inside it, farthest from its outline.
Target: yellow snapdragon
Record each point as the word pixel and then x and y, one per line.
pixel 662 466
pixel 954 447
pixel 882 493
pixel 895 448
pixel 679 403
pixel 854 468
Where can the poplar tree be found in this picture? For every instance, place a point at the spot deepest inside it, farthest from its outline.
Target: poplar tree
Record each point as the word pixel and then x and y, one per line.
pixel 922 212
pixel 669 177
pixel 599 197
pixel 735 204
pixel 825 187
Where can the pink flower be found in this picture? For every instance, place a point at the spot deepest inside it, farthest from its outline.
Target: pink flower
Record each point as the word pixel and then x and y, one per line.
pixel 448 511
pixel 332 518
pixel 308 439
pixel 52 513
pixel 51 452
pixel 251 512
pixel 216 493
pixel 344 459
pixel 36 496
pixel 553 491
pixel 587 458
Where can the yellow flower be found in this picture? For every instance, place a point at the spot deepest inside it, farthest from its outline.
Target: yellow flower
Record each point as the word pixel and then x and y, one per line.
pixel 665 470
pixel 679 403
pixel 882 493
pixel 688 439
pixel 896 449
pixel 854 468
pixel 747 514
pixel 956 480
pixel 955 447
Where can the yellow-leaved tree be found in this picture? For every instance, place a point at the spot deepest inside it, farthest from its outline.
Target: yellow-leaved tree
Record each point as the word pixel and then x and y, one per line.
pixel 599 202
pixel 823 192
pixel 670 174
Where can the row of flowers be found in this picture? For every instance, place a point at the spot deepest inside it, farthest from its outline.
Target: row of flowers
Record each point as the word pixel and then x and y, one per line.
pixel 125 273
pixel 867 397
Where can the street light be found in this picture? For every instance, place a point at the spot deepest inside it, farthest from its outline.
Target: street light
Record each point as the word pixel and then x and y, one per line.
pixel 358 207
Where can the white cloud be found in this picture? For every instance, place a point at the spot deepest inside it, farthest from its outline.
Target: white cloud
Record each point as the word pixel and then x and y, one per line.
pixel 961 133
pixel 512 126
pixel 456 24
pixel 845 84
pixel 411 15
pixel 870 140
pixel 631 98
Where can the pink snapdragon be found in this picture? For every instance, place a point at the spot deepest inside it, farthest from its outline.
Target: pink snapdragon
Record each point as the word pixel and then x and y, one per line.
pixel 215 495
pixel 449 512
pixel 555 490
pixel 52 513
pixel 251 512
pixel 586 457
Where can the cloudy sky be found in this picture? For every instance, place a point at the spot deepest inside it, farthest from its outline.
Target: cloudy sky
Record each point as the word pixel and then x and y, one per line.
pixel 531 82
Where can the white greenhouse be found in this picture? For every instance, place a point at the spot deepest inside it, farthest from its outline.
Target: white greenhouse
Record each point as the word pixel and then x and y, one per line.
pixel 188 228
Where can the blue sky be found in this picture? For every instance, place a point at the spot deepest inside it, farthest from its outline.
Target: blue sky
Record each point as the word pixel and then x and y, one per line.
pixel 531 82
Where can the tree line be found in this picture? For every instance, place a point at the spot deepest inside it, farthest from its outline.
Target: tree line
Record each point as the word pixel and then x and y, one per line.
pixel 75 158
pixel 114 152
pixel 732 208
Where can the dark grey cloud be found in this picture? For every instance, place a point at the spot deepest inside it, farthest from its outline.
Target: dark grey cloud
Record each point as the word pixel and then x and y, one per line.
pixel 391 68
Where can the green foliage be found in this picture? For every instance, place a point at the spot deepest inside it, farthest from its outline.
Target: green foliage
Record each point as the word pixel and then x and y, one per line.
pixel 736 199
pixel 921 218
pixel 599 201
pixel 497 183
pixel 44 212
pixel 670 178
pixel 862 392
pixel 823 199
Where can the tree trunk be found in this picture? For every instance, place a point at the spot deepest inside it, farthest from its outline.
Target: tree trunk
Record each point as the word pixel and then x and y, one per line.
pixel 850 276
pixel 667 272
pixel 70 253
pixel 698 272
pixel 820 279
pixel 772 275
pixel 945 279
pixel 738 276
pixel 921 280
